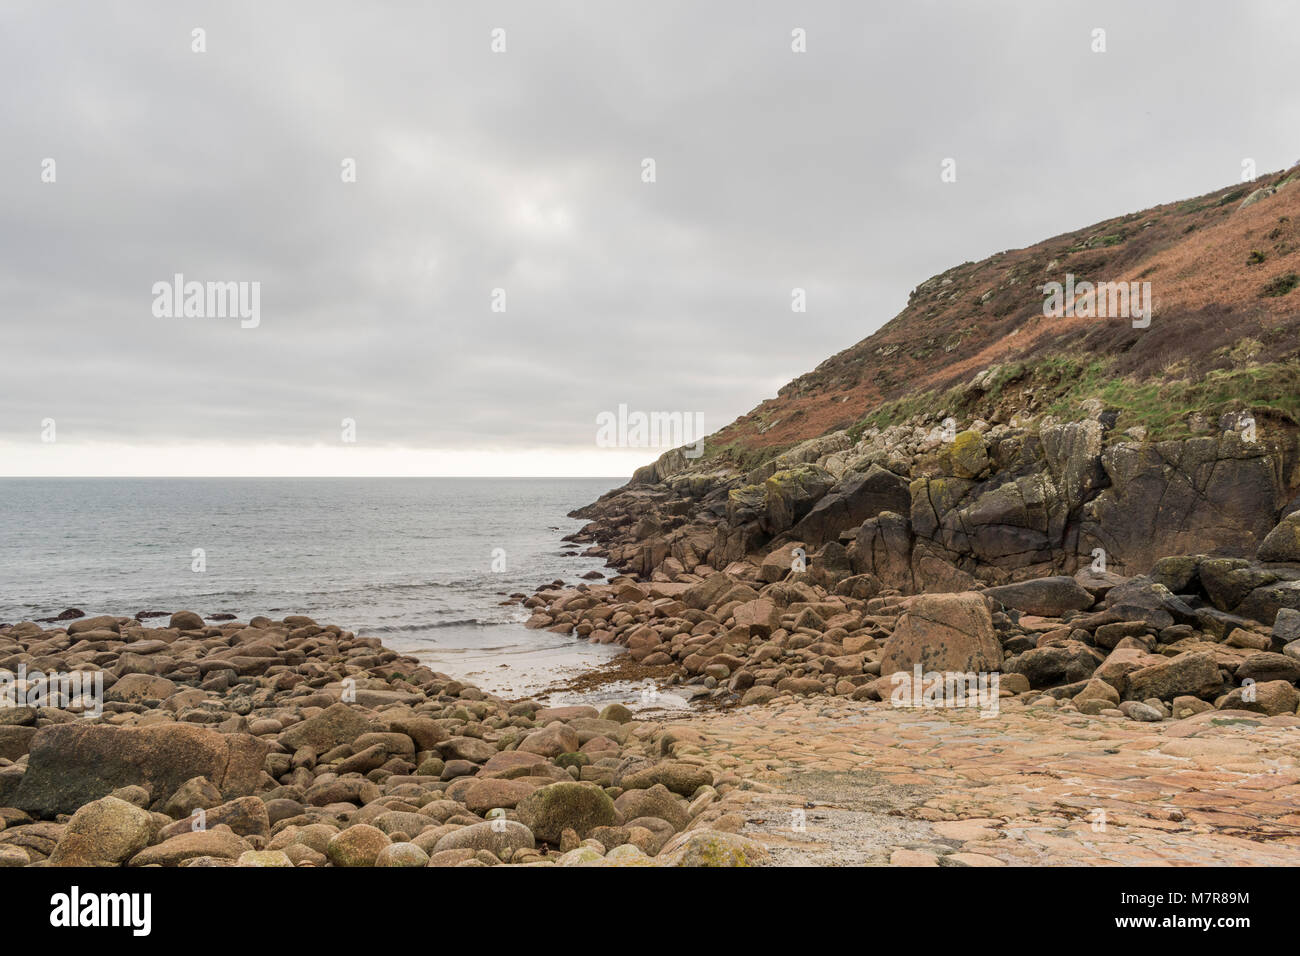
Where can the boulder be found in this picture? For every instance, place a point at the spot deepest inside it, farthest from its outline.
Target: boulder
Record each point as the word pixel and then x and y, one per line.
pixel 105 832
pixel 497 836
pixel 1065 663
pixel 761 616
pixel 1195 674
pixel 338 724
pixel 485 795
pixel 944 632
pixel 402 855
pixel 676 775
pixel 186 621
pixel 1271 697
pixel 713 848
pixel 219 844
pixel 1048 597
pixel 1286 625
pixel 1266 666
pixel 134 688
pixel 548 810
pixel 357 846
pixel 1283 542
pixel 74 763
pixel 657 801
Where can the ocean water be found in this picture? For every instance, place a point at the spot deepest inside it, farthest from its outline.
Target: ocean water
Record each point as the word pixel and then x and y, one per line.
pixel 408 560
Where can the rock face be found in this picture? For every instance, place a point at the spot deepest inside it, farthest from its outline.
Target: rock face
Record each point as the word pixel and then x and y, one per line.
pixel 1203 495
pixel 851 501
pixel 73 764
pixel 944 632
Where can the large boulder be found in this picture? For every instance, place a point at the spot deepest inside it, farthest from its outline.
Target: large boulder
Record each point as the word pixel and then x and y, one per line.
pixel 1283 542
pixel 658 802
pixel 761 616
pixel 498 836
pixel 15 740
pixel 676 775
pixel 1266 666
pixel 72 764
pixel 1270 697
pixel 1141 599
pixel 357 846
pixel 105 832
pixel 708 592
pixel 548 811
pixel 1194 674
pixel 220 844
pixel 1065 663
pixel 713 848
pixel 338 724
pixel 946 633
pixel 1049 597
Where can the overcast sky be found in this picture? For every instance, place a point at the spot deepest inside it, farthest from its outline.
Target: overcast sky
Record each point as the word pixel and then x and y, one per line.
pixel 522 170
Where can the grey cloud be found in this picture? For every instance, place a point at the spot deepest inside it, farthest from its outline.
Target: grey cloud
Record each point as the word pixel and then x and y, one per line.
pixel 521 171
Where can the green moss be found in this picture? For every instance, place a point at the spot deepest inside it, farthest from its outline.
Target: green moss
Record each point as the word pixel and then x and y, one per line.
pixel 1281 285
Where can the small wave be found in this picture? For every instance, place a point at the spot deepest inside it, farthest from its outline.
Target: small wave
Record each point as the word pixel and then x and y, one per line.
pixel 432 625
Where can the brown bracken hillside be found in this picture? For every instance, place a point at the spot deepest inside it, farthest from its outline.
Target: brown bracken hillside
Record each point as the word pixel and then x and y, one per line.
pixel 1223 269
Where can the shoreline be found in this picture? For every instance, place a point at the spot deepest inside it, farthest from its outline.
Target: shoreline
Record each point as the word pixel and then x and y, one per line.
pixel 290 743
pixel 411 771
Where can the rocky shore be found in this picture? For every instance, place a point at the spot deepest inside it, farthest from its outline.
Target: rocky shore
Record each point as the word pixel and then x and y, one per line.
pixel 290 743
pixel 894 623
pixel 1044 553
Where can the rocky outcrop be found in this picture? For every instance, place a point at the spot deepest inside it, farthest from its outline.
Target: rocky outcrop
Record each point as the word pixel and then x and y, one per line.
pixel 1212 495
pixel 925 510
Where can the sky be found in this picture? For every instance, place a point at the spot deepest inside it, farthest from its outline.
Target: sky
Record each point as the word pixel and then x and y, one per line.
pixel 502 270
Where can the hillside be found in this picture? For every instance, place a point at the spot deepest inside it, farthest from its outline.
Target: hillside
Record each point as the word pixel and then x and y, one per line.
pixel 975 441
pixel 1221 268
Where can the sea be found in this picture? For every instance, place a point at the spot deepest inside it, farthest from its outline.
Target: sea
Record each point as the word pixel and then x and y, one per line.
pixel 425 564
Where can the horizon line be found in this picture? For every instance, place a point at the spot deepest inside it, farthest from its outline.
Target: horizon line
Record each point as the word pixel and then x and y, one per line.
pixel 212 477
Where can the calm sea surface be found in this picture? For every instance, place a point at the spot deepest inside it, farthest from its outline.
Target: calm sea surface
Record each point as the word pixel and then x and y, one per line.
pixel 409 560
